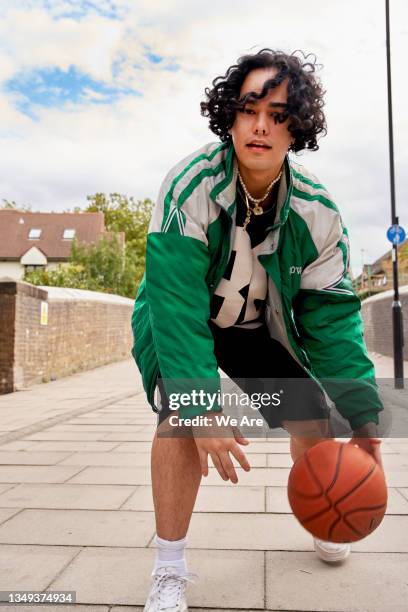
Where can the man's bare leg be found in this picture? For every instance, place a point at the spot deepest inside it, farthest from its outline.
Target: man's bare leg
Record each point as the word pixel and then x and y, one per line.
pixel 305 434
pixel 300 442
pixel 298 446
pixel 176 476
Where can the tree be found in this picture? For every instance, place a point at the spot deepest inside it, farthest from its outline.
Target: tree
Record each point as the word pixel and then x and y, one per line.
pixel 12 205
pixel 106 266
pixel 123 214
pixel 97 267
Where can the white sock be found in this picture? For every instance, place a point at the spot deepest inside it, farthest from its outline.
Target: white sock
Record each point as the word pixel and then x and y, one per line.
pixel 171 553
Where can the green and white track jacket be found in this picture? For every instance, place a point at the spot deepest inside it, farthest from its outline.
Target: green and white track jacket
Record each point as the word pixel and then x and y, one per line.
pixel 311 307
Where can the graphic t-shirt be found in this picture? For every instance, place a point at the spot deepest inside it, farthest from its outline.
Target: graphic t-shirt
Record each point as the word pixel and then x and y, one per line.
pixel 239 299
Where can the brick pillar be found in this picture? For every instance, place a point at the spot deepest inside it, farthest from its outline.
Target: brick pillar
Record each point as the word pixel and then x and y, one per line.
pixel 23 340
pixel 7 334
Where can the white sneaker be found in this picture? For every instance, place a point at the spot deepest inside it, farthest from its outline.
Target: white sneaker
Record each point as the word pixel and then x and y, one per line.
pixel 168 591
pixel 331 552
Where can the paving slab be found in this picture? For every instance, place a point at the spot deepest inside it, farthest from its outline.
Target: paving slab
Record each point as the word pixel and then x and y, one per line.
pixel 279 477
pixel 108 459
pixel 122 576
pixel 404 492
pixel 277 501
pixel 390 536
pixel 397 478
pixel 131 609
pixel 252 449
pixel 79 528
pixel 131 459
pixel 395 461
pixel 279 460
pixel 6 513
pixel 107 427
pixel 22 457
pixel 60 400
pixel 15 445
pixel 66 496
pixel 397 502
pixel 255 477
pixel 96 418
pixel 28 568
pixel 258 477
pixel 256 460
pixel 149 428
pixel 68 608
pixel 140 609
pixel 73 446
pixel 283 532
pixel 300 581
pixel 68 435
pixel 398 447
pixel 132 447
pixel 237 531
pixel 31 473
pixel 102 510
pixel 128 437
pixel 209 499
pixel 113 475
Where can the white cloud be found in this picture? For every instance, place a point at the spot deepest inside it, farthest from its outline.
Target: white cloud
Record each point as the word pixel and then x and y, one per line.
pixel 129 145
pixel 33 39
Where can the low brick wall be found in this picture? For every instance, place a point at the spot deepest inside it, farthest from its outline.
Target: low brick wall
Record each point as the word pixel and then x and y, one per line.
pixel 78 330
pixel 377 315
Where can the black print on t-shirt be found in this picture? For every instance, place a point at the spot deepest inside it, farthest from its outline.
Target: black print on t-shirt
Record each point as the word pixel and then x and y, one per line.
pixel 240 296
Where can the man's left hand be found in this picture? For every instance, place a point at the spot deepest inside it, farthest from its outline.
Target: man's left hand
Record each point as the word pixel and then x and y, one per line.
pixel 365 437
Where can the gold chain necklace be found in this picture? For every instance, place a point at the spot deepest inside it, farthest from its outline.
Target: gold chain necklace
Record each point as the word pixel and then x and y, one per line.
pixel 257 210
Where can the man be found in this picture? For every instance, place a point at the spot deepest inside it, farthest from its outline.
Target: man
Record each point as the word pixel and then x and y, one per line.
pixel 247 270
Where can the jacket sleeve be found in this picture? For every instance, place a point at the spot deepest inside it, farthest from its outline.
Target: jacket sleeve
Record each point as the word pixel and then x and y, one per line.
pixel 177 262
pixel 327 313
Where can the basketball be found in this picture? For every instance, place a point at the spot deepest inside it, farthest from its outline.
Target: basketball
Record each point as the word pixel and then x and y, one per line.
pixel 337 492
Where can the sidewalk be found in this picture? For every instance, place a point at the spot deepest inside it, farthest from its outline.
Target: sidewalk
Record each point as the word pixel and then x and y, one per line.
pixel 76 512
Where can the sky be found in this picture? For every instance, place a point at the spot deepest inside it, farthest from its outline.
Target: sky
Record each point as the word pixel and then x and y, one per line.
pixel 103 96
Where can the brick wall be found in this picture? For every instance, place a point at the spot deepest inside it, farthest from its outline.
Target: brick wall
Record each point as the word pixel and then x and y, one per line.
pixel 85 329
pixel 88 329
pixel 377 315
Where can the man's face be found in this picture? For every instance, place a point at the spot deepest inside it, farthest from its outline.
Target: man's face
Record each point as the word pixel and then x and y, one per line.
pixel 256 123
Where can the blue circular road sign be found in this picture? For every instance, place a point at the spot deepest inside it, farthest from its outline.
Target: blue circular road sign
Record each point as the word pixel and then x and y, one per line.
pixel 396 234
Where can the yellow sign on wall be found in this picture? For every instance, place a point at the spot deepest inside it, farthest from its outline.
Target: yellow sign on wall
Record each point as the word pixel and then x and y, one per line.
pixel 44 313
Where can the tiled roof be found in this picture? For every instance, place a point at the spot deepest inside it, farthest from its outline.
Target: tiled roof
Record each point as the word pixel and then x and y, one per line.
pixel 15 227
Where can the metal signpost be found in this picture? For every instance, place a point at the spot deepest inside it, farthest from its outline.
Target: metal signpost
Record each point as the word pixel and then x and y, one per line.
pixel 395 231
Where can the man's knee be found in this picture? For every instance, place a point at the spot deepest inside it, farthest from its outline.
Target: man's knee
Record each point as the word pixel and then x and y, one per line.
pixel 312 430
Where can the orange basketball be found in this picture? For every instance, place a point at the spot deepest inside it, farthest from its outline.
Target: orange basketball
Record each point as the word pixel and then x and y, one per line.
pixel 337 491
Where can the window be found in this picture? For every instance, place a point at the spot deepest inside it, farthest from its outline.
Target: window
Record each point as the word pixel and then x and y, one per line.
pixel 34 233
pixel 69 234
pixel 33 268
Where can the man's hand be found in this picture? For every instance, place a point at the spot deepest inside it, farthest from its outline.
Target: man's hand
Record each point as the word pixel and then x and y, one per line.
pixel 218 441
pixel 366 438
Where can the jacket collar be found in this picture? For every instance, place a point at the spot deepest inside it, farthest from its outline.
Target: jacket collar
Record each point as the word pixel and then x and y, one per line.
pixel 224 191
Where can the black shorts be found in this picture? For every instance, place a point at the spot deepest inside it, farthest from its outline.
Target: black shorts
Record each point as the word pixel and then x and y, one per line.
pixel 258 363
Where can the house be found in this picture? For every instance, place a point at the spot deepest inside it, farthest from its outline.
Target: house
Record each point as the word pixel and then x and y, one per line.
pixel 378 276
pixel 31 240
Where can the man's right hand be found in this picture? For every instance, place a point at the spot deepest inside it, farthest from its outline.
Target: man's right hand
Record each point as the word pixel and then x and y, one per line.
pixel 219 441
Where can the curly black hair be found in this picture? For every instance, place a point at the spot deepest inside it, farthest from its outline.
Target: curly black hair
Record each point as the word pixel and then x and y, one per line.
pixel 304 104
